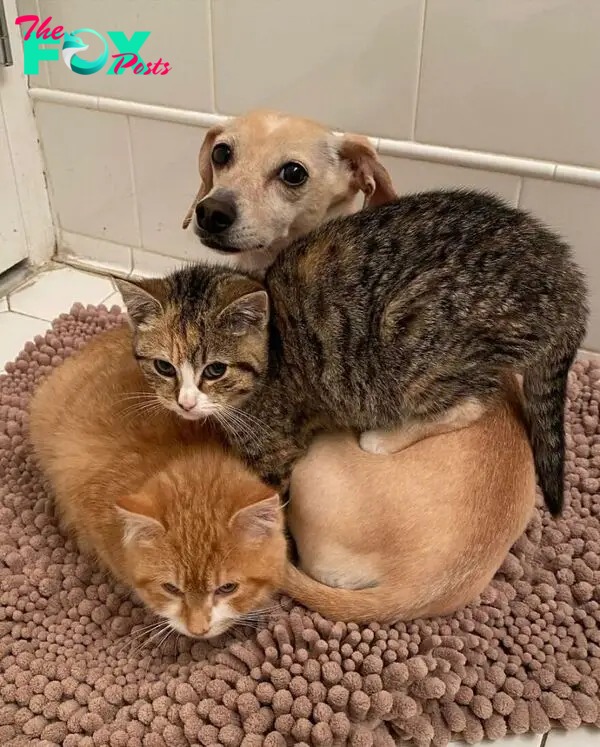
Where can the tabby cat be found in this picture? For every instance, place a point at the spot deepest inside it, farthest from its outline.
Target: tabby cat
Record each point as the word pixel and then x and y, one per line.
pixel 158 500
pixel 408 313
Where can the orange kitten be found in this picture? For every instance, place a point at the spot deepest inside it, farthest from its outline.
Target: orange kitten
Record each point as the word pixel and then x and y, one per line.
pixel 156 498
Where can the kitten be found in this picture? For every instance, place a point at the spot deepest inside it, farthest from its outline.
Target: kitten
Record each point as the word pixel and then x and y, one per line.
pixel 157 499
pixel 406 314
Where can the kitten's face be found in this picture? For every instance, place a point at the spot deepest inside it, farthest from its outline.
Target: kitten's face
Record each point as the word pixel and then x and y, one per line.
pixel 202 350
pixel 203 571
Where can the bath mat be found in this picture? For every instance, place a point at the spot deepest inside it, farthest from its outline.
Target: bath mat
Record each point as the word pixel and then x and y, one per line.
pixel 77 668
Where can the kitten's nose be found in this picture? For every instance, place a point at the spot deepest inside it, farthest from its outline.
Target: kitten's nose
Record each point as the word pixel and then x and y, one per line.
pixel 186 399
pixel 198 632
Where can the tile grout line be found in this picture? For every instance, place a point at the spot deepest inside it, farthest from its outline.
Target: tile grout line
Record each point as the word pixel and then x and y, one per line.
pixel 30 316
pixel 211 56
pixel 413 129
pixel 519 191
pixel 136 209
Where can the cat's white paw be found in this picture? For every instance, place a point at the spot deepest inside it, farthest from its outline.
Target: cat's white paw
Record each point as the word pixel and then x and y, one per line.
pixel 372 442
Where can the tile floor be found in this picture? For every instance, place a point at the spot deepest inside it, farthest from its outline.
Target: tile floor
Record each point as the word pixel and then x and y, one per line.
pixel 28 311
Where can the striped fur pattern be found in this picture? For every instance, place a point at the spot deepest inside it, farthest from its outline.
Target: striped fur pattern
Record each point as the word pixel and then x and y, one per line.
pixel 397 313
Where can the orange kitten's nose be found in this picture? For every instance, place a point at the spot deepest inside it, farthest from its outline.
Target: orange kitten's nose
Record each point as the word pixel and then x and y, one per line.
pixel 197 622
pixel 199 632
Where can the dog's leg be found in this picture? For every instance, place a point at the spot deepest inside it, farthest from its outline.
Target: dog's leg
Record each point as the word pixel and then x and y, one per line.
pixel 388 442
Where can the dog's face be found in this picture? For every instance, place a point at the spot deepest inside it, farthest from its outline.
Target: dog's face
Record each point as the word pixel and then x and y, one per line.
pixel 268 178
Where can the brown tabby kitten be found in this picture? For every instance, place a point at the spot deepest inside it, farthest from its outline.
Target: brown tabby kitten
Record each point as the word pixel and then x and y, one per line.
pixel 402 314
pixel 157 499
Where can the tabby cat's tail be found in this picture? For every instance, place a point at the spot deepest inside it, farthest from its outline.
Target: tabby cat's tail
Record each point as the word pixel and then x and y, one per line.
pixel 545 390
pixel 347 605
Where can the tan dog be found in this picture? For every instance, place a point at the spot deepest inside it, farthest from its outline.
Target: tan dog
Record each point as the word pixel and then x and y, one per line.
pixel 268 178
pixel 418 533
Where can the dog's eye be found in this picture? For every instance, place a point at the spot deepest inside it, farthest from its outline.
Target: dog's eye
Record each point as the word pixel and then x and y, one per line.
pixel 226 589
pixel 293 174
pixel 173 590
pixel 221 154
pixel 214 371
pixel 165 368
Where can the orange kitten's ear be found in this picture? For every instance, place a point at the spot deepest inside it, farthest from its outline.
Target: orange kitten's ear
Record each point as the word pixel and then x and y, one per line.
pixel 139 513
pixel 140 302
pixel 245 313
pixel 259 520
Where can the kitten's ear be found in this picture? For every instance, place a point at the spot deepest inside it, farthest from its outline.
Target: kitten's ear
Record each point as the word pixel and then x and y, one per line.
pixel 245 313
pixel 140 302
pixel 139 513
pixel 259 520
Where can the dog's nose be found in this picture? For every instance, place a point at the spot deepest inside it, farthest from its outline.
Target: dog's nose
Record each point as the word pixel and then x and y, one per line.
pixel 215 215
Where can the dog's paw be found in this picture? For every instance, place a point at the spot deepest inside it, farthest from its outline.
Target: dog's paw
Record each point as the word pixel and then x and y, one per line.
pixel 373 442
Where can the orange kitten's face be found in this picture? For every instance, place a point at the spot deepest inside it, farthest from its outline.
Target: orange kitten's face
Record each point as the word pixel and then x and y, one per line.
pixel 203 571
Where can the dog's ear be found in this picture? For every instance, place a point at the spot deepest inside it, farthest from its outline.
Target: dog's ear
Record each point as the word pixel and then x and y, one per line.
pixel 205 169
pixel 369 174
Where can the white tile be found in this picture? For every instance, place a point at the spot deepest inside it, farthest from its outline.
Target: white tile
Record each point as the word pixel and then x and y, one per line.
pixel 350 65
pixel 88 162
pixel 179 35
pixel 15 331
pixel 165 160
pixel 415 176
pixel 149 265
pixel 54 292
pixel 3 305
pixel 512 77
pixel 585 736
pixel 95 253
pixel 574 211
pixel 114 299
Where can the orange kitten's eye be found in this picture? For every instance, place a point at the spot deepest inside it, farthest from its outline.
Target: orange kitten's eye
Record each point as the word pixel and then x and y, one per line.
pixel 165 368
pixel 226 589
pixel 172 589
pixel 214 371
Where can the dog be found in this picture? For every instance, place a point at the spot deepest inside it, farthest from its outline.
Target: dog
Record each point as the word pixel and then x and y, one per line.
pixel 268 178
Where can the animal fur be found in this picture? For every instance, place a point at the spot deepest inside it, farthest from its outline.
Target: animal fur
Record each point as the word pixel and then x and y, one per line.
pixel 406 314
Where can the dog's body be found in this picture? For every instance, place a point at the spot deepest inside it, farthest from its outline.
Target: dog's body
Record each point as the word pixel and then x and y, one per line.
pixel 347 504
pixel 419 533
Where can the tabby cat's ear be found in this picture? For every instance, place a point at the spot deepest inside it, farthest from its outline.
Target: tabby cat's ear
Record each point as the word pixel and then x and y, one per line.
pixel 139 513
pixel 246 313
pixel 140 302
pixel 260 520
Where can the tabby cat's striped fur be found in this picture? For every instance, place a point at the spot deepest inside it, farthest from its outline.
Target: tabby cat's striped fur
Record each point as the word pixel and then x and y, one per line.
pixel 395 313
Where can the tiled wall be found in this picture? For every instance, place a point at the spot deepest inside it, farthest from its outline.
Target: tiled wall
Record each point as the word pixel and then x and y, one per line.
pixel 497 95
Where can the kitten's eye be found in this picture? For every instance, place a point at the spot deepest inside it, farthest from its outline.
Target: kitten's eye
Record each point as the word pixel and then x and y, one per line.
pixel 226 589
pixel 293 174
pixel 214 371
pixel 172 589
pixel 165 368
pixel 221 154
